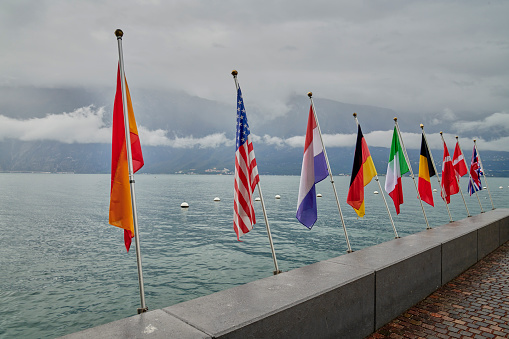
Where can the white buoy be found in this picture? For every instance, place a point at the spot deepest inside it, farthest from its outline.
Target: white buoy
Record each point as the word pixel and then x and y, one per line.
pixel 500 187
pixel 375 192
pixel 184 205
pixel 318 195
pixel 434 189
pixel 484 187
pixel 257 199
pixel 217 199
pixel 278 196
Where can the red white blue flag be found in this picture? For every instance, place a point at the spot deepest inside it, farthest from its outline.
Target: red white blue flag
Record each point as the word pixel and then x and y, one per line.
pixel 246 174
pixel 314 170
pixel 474 185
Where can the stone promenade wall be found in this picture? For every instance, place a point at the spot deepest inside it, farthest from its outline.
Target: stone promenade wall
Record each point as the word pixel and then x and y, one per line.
pixel 345 297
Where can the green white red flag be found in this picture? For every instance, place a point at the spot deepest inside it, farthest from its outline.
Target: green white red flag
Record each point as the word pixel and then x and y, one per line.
pixel 396 167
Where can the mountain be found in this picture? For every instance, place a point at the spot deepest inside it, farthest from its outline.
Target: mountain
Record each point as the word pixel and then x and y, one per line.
pixel 183 115
pixel 49 156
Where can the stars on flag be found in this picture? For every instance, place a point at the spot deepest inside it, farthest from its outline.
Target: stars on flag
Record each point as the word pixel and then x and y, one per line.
pixel 242 126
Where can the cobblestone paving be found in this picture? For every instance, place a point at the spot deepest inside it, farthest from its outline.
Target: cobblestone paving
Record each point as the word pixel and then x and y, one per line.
pixel 473 305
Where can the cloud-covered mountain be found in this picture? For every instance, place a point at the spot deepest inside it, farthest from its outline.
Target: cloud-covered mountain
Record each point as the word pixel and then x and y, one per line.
pixel 69 130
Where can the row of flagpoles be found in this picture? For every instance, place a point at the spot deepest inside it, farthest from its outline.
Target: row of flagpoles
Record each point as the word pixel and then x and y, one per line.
pixel 316 167
pixel 127 159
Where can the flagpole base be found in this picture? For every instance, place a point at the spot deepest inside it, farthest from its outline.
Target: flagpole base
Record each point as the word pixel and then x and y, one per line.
pixel 349 251
pixel 277 272
pixel 142 310
pixel 398 237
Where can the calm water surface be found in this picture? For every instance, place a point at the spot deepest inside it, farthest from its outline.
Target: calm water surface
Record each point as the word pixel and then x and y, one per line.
pixel 64 269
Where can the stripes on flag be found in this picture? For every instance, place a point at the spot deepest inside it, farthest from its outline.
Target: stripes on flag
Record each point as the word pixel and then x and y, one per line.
pixel 246 174
pixel 314 170
pixel 426 171
pixel 396 167
pixel 121 213
pixel 363 171
pixel 449 183
pixel 475 185
pixel 458 162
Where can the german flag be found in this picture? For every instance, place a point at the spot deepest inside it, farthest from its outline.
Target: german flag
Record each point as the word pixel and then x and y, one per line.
pixel 362 172
pixel 426 171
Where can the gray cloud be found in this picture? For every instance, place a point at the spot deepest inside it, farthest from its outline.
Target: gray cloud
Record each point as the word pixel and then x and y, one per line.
pixel 420 58
pixel 86 125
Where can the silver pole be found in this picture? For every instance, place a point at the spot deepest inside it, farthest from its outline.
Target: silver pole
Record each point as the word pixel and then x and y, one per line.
pixel 119 35
pixel 457 179
pixel 469 175
pixel 277 271
pixel 381 191
pixel 310 95
pixel 436 172
pixel 411 172
pixel 484 175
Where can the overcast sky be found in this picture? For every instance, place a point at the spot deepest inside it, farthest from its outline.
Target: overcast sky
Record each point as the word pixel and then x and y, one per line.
pixel 445 58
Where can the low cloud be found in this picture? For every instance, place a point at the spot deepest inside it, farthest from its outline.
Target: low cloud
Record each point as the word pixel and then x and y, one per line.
pixel 496 120
pixel 86 125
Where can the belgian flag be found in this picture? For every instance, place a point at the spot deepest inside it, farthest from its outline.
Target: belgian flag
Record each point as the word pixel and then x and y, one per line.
pixel 362 172
pixel 426 171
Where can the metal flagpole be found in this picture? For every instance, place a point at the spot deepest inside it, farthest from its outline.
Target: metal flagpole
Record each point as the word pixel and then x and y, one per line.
pixel 411 172
pixel 119 35
pixel 436 172
pixel 310 95
pixel 382 192
pixel 484 175
pixel 458 181
pixel 276 271
pixel 469 175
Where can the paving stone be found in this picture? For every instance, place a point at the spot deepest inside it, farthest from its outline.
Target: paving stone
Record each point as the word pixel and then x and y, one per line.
pixel 473 305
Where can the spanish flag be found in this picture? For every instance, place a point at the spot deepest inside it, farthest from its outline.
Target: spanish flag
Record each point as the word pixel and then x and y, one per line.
pixel 362 172
pixel 426 171
pixel 121 212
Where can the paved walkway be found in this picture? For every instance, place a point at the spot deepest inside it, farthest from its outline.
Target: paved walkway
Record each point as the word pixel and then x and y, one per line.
pixel 474 305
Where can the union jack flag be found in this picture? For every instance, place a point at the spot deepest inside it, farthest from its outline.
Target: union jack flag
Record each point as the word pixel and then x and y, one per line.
pixel 475 172
pixel 246 174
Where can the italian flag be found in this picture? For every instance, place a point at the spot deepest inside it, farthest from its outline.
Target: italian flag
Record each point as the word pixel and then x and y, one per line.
pixel 397 166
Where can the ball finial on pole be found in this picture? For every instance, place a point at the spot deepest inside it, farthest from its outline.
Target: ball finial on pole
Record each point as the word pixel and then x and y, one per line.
pixel 395 118
pixel 474 140
pixel 234 73
pixel 118 33
pixel 354 114
pixel 310 94
pixel 441 132
pixel 422 126
pixel 456 137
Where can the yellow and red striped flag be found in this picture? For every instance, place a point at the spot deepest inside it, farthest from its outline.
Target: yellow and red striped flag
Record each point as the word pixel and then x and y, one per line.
pixel 121 212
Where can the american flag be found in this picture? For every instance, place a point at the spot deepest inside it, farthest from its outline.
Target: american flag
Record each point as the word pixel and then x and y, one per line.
pixel 475 172
pixel 246 174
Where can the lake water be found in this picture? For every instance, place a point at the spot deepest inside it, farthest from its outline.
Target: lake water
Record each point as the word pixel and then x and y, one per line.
pixel 64 269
